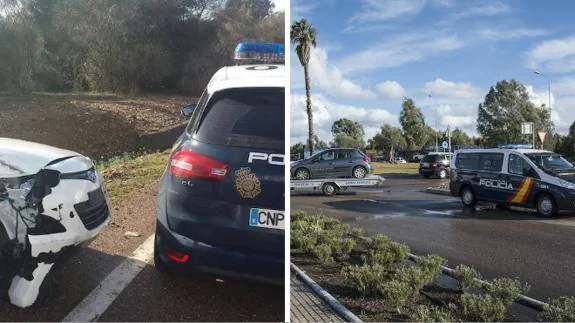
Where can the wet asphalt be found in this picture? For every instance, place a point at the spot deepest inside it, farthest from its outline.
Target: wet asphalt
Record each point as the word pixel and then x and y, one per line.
pixel 499 243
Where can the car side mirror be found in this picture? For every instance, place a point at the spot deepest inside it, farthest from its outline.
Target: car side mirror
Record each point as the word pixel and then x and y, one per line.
pixel 529 172
pixel 188 110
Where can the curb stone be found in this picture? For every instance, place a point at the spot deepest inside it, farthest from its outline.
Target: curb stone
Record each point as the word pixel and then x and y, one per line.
pixel 325 296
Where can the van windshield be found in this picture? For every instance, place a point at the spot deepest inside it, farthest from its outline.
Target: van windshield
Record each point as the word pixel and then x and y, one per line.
pixel 550 161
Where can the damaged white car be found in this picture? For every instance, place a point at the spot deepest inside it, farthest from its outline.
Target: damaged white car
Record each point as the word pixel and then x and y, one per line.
pixel 50 200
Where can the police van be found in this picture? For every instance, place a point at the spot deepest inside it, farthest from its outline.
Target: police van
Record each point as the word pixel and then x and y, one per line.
pixel 529 178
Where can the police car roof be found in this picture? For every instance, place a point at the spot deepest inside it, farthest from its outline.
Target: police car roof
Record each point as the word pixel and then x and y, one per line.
pixel 498 150
pixel 258 75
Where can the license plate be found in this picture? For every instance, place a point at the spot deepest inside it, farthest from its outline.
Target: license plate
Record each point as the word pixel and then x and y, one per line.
pixel 266 218
pixel 425 164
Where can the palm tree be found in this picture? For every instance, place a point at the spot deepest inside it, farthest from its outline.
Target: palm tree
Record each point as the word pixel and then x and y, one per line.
pixel 303 35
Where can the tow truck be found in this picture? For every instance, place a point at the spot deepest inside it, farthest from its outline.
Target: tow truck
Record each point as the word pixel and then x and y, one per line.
pixel 332 186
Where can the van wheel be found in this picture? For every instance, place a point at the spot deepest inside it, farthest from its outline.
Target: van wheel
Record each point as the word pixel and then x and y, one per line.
pixel 442 174
pixel 468 197
pixel 329 189
pixel 359 172
pixel 546 205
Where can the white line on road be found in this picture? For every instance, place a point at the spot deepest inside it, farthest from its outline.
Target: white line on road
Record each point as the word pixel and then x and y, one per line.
pixel 98 301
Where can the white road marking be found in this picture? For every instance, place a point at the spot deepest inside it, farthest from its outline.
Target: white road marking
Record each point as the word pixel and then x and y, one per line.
pixel 98 301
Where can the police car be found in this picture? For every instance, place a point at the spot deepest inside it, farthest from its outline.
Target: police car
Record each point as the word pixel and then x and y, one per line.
pixel 524 177
pixel 221 198
pixel 51 199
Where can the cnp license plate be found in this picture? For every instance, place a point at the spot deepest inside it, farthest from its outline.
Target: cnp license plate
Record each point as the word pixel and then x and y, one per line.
pixel 266 218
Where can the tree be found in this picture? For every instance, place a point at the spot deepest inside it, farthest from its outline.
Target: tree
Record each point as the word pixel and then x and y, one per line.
pixel 304 35
pixel 389 139
pixel 413 125
pixel 459 138
pixel 505 107
pixel 348 134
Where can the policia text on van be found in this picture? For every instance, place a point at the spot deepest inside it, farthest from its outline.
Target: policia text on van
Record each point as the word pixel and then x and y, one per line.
pixel 522 177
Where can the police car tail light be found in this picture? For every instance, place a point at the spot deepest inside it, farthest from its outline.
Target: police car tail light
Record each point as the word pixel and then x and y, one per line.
pixel 191 164
pixel 366 159
pixel 260 53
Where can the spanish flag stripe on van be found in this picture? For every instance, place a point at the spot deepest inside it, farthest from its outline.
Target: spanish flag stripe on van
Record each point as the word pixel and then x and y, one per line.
pixel 521 195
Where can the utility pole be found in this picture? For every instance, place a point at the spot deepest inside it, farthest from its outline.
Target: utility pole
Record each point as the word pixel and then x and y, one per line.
pixel 449 139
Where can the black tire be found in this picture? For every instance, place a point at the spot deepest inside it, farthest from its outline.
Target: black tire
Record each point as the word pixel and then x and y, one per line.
pixel 359 172
pixel 468 197
pixel 546 205
pixel 442 173
pixel 425 176
pixel 303 173
pixel 329 189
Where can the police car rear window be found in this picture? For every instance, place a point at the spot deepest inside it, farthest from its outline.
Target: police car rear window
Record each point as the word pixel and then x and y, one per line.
pixel 491 162
pixel 244 117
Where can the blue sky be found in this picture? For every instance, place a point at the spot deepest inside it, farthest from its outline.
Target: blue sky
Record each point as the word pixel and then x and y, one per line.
pixel 444 54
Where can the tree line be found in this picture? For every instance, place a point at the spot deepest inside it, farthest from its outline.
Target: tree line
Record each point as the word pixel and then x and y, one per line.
pixel 499 117
pixel 126 46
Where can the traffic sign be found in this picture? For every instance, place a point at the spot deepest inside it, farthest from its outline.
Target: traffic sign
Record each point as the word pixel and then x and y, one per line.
pixel 445 145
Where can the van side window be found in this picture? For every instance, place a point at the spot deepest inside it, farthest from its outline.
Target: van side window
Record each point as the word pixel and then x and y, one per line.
pixel 491 162
pixel 518 165
pixel 467 161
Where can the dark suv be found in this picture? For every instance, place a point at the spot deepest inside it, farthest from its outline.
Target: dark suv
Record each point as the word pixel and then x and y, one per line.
pixel 221 200
pixel 435 164
pixel 335 162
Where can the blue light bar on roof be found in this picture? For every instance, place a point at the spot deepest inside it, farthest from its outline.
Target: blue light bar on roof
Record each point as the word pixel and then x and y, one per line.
pixel 515 146
pixel 260 53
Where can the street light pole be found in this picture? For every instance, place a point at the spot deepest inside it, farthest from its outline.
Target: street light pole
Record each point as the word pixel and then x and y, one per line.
pixel 548 86
pixel 436 141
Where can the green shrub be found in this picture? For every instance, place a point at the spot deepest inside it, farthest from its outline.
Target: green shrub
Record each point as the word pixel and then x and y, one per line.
pixel 298 215
pixel 358 232
pixel 432 266
pixel 482 308
pixel 396 293
pixel 466 276
pixel 383 251
pixel 413 276
pixel 323 252
pixel 366 279
pixel 303 242
pixel 506 289
pixel 425 313
pixel 561 309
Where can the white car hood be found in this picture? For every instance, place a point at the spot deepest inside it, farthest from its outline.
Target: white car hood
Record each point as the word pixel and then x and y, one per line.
pixel 20 158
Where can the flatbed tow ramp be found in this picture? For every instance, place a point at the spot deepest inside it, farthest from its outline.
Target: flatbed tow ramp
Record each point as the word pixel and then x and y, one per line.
pixel 331 186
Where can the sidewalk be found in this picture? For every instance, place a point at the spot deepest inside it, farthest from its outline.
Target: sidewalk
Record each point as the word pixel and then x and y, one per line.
pixel 306 306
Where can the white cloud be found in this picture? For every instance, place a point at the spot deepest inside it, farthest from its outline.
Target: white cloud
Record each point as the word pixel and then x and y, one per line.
pixel 448 89
pixel 383 10
pixel 553 56
pixel 565 86
pixel 462 116
pixel 486 9
pixel 496 34
pixel 398 51
pixel 326 112
pixel 331 80
pixel 391 90
pixel 443 3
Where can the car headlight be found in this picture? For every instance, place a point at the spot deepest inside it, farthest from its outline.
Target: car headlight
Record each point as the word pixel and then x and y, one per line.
pixel 564 183
pixel 89 175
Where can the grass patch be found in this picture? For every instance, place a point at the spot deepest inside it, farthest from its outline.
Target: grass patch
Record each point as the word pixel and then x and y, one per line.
pixel 129 172
pixel 389 168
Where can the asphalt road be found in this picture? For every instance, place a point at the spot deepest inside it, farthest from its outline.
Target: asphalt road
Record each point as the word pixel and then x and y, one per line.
pixel 150 296
pixel 499 243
